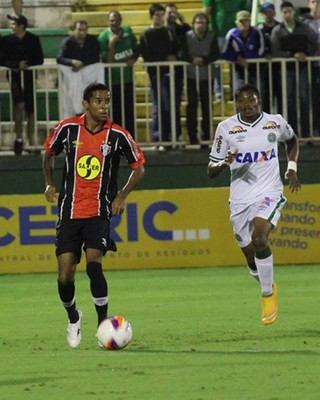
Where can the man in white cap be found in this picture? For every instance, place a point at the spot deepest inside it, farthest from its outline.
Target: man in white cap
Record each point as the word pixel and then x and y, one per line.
pixel 242 43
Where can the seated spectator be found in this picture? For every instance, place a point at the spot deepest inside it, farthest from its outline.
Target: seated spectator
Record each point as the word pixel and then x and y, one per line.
pixel 275 95
pixel 159 43
pixel 78 60
pixel 118 44
pixel 201 50
pixel 19 51
pixel 294 39
pixel 242 43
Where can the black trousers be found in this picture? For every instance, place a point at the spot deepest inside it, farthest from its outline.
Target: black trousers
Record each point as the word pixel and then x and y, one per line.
pixel 205 86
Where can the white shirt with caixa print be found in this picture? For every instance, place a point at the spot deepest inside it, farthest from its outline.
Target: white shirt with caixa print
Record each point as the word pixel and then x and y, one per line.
pixel 255 170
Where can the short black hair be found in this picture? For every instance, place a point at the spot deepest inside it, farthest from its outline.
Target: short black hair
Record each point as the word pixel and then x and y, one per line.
pixel 286 4
pixel 154 8
pixel 200 15
pixel 171 5
pixel 245 88
pixel 80 22
pixel 93 87
pixel 117 13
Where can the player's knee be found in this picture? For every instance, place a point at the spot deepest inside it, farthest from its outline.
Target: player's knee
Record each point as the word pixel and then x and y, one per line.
pixel 65 278
pixel 93 269
pixel 260 242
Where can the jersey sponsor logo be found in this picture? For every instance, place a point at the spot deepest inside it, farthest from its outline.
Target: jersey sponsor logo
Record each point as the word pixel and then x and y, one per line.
pixel 267 201
pixel 256 156
pixel 122 55
pixel 88 167
pixel 240 138
pixel 237 129
pixel 218 143
pixel 271 125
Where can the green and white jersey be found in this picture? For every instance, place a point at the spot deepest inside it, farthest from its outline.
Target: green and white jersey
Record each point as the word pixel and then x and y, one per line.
pixel 126 49
pixel 255 170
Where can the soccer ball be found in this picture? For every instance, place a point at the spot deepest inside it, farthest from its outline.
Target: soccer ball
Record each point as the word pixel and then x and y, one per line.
pixel 114 333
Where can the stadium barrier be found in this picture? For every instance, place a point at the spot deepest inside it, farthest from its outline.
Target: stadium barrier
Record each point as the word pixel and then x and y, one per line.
pixel 48 94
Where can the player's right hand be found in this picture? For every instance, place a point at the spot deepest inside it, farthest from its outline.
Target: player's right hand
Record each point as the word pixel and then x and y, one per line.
pixel 230 157
pixel 50 193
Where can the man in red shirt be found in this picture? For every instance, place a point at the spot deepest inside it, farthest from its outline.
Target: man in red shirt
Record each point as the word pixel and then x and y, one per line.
pixel 88 197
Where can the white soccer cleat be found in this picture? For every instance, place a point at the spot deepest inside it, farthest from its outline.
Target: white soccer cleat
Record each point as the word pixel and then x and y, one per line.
pixel 74 332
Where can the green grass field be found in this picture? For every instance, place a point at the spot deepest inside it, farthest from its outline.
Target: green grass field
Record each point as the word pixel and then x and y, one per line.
pixel 197 336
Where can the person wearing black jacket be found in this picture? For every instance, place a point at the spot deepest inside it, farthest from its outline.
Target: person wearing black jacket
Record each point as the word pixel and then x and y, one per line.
pixel 19 51
pixel 159 43
pixel 295 39
pixel 80 49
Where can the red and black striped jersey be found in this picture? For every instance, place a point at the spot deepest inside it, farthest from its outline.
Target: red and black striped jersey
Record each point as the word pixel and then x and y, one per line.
pixel 89 182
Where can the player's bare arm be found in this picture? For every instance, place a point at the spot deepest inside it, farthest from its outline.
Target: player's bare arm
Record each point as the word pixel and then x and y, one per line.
pixel 135 177
pixel 48 167
pixel 215 169
pixel 292 149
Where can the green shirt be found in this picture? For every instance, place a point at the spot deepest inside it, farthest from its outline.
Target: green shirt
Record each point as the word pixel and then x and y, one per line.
pixel 127 48
pixel 223 14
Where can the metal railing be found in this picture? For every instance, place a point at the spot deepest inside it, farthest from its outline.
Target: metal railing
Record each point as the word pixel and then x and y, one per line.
pixel 48 94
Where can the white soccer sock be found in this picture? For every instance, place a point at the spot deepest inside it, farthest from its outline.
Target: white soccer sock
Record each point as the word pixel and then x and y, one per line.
pixel 254 273
pixel 265 270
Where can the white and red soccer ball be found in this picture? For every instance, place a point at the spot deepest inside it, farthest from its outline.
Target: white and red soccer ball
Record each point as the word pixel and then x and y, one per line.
pixel 114 333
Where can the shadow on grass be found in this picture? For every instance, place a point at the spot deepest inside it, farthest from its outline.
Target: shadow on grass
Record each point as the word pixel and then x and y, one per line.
pixel 228 352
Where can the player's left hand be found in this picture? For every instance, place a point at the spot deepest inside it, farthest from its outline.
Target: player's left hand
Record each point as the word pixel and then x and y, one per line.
pixel 50 193
pixel 118 205
pixel 294 184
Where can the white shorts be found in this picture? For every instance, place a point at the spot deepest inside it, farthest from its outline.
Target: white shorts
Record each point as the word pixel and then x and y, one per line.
pixel 267 207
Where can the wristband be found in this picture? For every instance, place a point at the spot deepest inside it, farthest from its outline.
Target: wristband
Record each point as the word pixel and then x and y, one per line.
pixel 292 165
pixel 222 163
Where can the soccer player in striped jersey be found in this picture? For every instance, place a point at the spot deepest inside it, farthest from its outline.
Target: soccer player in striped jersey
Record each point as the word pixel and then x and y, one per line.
pixel 247 143
pixel 89 196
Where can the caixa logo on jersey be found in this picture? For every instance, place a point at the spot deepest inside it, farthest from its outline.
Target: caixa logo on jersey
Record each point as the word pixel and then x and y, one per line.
pixel 35 225
pixel 255 156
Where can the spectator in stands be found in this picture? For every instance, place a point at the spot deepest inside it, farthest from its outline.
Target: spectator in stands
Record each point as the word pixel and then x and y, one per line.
pixel 313 21
pixel 78 60
pixel 118 44
pixel 159 43
pixel 17 6
pixel 294 39
pixel 268 13
pixel 201 50
pixel 177 22
pixel 21 50
pixel 222 15
pixel 242 43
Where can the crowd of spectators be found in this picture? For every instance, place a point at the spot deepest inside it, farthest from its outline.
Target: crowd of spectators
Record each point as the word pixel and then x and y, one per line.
pixel 223 30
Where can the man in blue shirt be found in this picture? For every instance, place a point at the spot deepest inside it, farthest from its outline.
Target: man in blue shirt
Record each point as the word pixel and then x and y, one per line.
pixel 242 43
